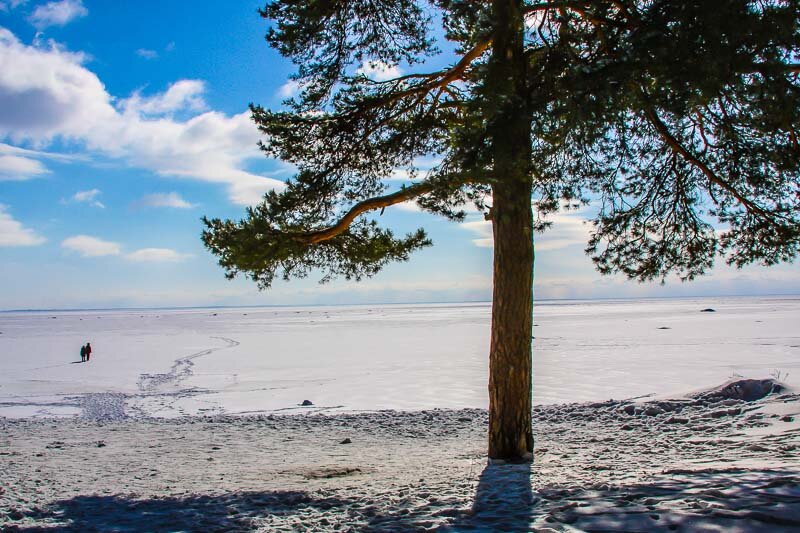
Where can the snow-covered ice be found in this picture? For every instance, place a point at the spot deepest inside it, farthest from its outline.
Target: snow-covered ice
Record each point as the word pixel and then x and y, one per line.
pixel 705 450
pixel 168 363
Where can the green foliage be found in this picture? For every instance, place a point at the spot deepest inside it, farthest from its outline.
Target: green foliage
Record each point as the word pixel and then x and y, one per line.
pixel 359 252
pixel 325 37
pixel 677 119
pixel 270 242
pixel 675 115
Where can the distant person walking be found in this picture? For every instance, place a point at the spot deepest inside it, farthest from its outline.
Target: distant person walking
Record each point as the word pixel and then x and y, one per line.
pixel 83 353
pixel 88 351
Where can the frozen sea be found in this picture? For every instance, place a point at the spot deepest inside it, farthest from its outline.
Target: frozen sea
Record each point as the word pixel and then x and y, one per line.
pixel 169 363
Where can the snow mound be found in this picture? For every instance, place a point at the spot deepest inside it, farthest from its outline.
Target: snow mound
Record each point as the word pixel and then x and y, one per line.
pixel 748 390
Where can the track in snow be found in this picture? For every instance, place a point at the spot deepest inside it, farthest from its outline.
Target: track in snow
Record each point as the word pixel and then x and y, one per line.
pixel 181 369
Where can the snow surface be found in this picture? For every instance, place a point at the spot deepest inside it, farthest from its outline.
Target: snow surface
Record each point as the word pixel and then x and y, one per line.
pixel 705 450
pixel 168 363
pixel 709 463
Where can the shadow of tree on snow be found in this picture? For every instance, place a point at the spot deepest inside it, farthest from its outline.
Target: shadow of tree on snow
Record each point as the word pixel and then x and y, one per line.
pixel 679 500
pixel 240 511
pixel 706 500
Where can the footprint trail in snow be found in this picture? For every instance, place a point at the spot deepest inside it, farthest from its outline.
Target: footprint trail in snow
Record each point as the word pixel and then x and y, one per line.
pixel 181 369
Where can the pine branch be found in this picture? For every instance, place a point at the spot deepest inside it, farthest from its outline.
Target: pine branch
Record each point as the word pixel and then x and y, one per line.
pixel 677 146
pixel 371 204
pixel 436 80
pixel 545 6
pixel 377 202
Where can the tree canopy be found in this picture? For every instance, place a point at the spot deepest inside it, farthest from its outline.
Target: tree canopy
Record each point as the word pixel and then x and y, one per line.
pixel 667 114
pixel 676 119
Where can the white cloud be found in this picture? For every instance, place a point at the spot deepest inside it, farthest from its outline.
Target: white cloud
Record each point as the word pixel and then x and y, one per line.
pixel 532 20
pixel 409 205
pixel 156 255
pixel 46 94
pixel 468 208
pixel 422 166
pixel 13 233
pixel 89 246
pixel 7 149
pixel 58 13
pixel 146 53
pixel 18 164
pixel 183 95
pixel 379 71
pixel 88 197
pixel 568 229
pixel 289 89
pixel 400 174
pixel 444 283
pixel 6 5
pixel 483 229
pixel 171 199
pixel 16 168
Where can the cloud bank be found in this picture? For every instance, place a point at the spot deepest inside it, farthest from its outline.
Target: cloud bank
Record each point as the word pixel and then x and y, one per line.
pixel 48 94
pixel 13 233
pixel 88 197
pixel 17 168
pixel 88 246
pixel 59 13
pixel 171 199
pixel 156 255
pixel 569 229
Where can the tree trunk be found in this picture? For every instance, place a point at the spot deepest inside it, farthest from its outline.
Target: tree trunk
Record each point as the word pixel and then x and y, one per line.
pixel 510 431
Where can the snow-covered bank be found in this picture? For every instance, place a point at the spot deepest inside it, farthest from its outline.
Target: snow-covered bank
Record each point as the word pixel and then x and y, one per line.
pixel 354 358
pixel 705 462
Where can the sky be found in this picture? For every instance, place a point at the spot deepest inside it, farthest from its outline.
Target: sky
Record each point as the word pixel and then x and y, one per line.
pixel 123 123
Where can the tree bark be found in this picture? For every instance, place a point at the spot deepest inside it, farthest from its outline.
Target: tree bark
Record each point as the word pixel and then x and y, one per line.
pixel 510 364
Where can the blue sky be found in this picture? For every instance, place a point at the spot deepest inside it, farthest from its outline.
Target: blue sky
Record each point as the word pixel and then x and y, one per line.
pixel 122 123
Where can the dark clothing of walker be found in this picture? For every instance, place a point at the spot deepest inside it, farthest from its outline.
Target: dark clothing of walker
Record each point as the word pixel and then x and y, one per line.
pixel 88 351
pixel 83 354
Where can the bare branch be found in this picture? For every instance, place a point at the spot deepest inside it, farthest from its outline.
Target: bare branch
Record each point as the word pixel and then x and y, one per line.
pixel 678 147
pixel 434 80
pixel 443 78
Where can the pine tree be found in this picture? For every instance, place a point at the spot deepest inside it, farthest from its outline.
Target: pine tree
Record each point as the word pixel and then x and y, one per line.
pixel 670 116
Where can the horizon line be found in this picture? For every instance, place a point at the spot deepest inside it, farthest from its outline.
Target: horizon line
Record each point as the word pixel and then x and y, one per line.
pixel 432 302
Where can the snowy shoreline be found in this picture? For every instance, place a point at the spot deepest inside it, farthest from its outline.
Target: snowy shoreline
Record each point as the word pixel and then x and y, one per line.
pixel 709 462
